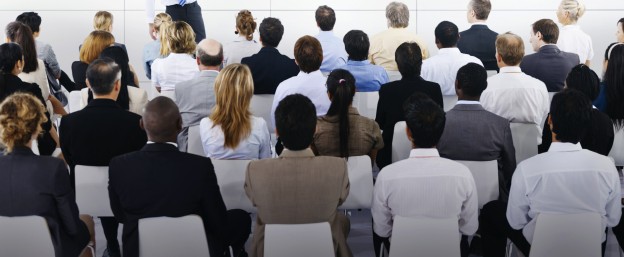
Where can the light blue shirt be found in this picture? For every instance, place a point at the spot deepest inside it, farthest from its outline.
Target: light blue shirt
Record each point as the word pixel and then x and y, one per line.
pixel 151 52
pixel 368 77
pixel 334 53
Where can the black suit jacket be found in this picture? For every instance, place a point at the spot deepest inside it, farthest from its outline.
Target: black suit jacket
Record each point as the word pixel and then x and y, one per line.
pixel 479 41
pixel 599 136
pixel 390 108
pixel 79 72
pixel 159 181
pixel 550 65
pixel 269 68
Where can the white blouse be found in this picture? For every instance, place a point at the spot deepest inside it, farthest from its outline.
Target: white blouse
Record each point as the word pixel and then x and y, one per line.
pixel 256 146
pixel 240 48
pixel 173 69
pixel 573 40
pixel 39 77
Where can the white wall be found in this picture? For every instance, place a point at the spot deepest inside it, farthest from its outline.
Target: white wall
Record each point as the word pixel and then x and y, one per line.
pixel 67 22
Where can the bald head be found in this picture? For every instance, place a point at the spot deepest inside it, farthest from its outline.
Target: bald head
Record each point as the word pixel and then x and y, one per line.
pixel 161 120
pixel 209 53
pixel 510 47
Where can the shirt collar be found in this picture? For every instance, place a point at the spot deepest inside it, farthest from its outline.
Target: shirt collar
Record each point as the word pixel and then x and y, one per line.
pixel 449 50
pixel 564 147
pixel 358 63
pixel 241 38
pixel 424 153
pixel 171 143
pixel 325 33
pixel 315 73
pixel 468 102
pixel 479 23
pixel 510 69
pixel 301 153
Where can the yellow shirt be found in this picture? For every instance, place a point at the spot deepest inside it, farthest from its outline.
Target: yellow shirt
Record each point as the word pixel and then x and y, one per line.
pixel 384 44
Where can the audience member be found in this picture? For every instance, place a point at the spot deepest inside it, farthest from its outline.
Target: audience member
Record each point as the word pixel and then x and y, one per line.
pixel 159 181
pixel 548 64
pixel 90 50
pixel 610 96
pixel 472 133
pixel 269 67
pixel 619 33
pixel 244 45
pixel 478 40
pixel 298 187
pixel 563 180
pixel 151 51
pixel 334 54
pixel 178 44
pixel 231 132
pixel 513 94
pixel 571 38
pixel 357 135
pixel 443 67
pixel 196 97
pixel 606 57
pixel 368 77
pixel 120 131
pixel 393 95
pixel 419 185
pixel 181 10
pixel 36 185
pixel 103 20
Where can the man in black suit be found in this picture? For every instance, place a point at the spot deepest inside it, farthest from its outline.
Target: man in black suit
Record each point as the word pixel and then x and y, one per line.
pixel 160 181
pixel 101 131
pixel 268 67
pixel 479 40
pixel 548 64
pixel 392 96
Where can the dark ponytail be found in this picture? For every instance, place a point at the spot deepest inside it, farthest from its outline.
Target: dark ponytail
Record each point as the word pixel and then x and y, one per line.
pixel 21 34
pixel 614 80
pixel 10 54
pixel 341 87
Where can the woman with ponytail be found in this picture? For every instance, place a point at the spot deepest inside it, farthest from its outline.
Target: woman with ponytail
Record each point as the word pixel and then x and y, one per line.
pixel 357 135
pixel 244 45
pixel 571 38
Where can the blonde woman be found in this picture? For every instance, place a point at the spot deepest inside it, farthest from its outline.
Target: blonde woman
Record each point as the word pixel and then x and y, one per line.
pixel 103 20
pixel 244 45
pixel 231 132
pixel 178 44
pixel 90 49
pixel 571 38
pixel 151 51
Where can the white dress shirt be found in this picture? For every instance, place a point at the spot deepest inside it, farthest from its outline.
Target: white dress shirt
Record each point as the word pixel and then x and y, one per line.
pixel 573 40
pixel 517 97
pixel 442 68
pixel 256 146
pixel 238 49
pixel 173 69
pixel 425 185
pixel 311 85
pixel 565 180
pixel 334 53
pixel 150 10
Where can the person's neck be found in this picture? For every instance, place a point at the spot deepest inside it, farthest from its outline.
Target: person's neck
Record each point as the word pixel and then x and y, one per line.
pixel 566 23
pixel 214 68
pixel 478 21
pixel 469 98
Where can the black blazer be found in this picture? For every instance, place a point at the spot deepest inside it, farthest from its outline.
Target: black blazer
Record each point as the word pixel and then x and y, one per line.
pixel 159 181
pixel 390 108
pixel 79 73
pixel 550 65
pixel 479 41
pixel 39 185
pixel 269 68
pixel 599 137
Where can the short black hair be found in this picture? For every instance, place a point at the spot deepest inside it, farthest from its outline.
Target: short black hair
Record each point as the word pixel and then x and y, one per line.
pixel 271 31
pixel 357 45
pixel 447 34
pixel 408 57
pixel 161 119
pixel 102 75
pixel 585 80
pixel 472 79
pixel 31 19
pixel 325 17
pixel 295 121
pixel 425 120
pixel 570 113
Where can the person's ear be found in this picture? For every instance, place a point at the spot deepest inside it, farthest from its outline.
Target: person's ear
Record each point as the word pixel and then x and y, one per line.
pixel 141 124
pixel 117 85
pixel 197 59
pixel 499 58
pixel 88 84
pixel 538 35
pixel 277 134
pixel 179 124
pixel 409 134
pixel 549 121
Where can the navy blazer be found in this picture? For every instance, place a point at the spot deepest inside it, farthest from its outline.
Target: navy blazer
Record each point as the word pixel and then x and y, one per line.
pixel 269 68
pixel 550 65
pixel 479 41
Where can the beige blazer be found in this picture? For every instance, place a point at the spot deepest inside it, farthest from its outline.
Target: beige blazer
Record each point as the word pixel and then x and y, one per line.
pixel 138 99
pixel 299 188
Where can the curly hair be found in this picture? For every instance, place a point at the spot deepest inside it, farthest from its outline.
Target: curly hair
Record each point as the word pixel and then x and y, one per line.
pixel 21 116
pixel 246 24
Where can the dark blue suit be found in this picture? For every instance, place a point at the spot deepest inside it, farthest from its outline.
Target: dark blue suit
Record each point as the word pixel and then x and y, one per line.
pixel 550 65
pixel 479 41
pixel 269 68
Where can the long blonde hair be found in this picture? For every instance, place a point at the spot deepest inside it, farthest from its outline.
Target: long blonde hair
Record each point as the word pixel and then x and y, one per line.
pixel 233 89
pixel 159 19
pixel 176 37
pixel 93 45
pixel 21 116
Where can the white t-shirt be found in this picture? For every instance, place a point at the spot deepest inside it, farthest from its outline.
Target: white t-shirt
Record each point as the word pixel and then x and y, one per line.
pixel 256 146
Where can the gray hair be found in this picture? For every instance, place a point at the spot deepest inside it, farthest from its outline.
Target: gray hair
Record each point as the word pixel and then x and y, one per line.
pixel 397 14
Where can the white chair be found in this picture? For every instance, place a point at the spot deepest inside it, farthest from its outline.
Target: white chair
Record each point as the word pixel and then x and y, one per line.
pixel 401 145
pixel 617 151
pixel 301 240
pixel 449 102
pixel 261 107
pixel 366 103
pixel 425 237
pixel 524 138
pixel 491 73
pixel 231 179
pixel 165 237
pixel 92 190
pixel 75 99
pixel 25 237
pixel 194 141
pixel 485 174
pixel 563 235
pixel 360 183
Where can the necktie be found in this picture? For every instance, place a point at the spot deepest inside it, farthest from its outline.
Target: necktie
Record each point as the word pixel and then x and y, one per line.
pixel 182 2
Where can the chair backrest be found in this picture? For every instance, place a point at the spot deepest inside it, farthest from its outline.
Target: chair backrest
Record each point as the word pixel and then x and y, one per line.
pixel 302 240
pixel 366 103
pixel 194 141
pixel 449 102
pixel 485 174
pixel 617 151
pixel 261 107
pixel 166 236
pixel 92 190
pixel 25 237
pixel 360 183
pixel 562 235
pixel 74 101
pixel 491 73
pixel 524 137
pixel 231 179
pixel 401 145
pixel 425 237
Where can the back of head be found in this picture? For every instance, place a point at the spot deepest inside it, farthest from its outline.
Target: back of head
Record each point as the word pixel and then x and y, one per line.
pixel 397 15
pixel 357 45
pixel 120 57
pixel 424 119
pixel 245 24
pixel 549 30
pixel 271 31
pixel 21 34
pixel 10 54
pixel 472 79
pixel 325 17
pixel 575 8
pixel 179 38
pixel 511 48
pixel 210 52
pixel 308 54
pixel 161 120
pixel 481 8
pixel 614 80
pixel 447 34
pixel 94 44
pixel 159 19
pixel 585 80
pixel 103 20
pixel 31 19
pixel 21 116
pixel 102 75
pixel 409 59
pixel 341 88
pixel 570 113
pixel 295 122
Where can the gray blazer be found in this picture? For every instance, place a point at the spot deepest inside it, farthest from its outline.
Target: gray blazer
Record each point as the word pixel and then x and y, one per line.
pixel 195 99
pixel 473 134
